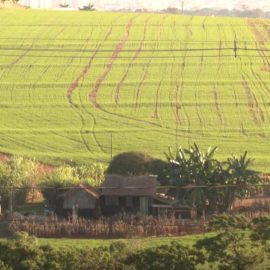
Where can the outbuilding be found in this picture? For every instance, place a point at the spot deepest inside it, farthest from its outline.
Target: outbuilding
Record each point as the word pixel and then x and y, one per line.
pixel 82 201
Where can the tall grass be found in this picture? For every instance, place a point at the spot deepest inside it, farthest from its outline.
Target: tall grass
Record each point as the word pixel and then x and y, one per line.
pixel 115 227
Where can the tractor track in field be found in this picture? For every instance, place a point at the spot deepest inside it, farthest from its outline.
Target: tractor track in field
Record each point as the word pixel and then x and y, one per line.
pixel 217 106
pixel 74 85
pixel 260 45
pixel 255 111
pixel 177 104
pixel 146 70
pixel 254 108
pixel 263 87
pixel 155 114
pixel 182 79
pixel 141 82
pixel 198 111
pixel 33 87
pixel 260 38
pixel 17 60
pixel 243 131
pixel 120 45
pixel 93 94
pixel 267 29
pixel 135 56
pixel 174 95
pixel 215 86
pixel 197 91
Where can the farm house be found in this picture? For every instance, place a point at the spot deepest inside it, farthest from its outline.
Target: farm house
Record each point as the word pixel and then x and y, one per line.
pixel 123 195
pixel 131 194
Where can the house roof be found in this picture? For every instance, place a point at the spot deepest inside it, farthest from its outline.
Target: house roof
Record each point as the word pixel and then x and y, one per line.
pixel 117 185
pixel 87 189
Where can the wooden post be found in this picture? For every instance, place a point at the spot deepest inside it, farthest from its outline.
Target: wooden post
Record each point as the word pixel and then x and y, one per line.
pixel 0 206
pixel 11 203
pixel 235 47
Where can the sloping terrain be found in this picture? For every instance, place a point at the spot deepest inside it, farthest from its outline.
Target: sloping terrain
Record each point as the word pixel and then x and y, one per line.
pixel 68 80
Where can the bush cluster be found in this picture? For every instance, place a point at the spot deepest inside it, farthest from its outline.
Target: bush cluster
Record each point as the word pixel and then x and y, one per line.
pixel 227 250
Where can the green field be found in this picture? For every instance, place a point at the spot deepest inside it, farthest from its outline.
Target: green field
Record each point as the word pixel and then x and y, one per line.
pixel 135 243
pixel 68 80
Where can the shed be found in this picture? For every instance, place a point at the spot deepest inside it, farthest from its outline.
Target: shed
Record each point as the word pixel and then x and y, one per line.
pixel 84 200
pixel 163 205
pixel 128 194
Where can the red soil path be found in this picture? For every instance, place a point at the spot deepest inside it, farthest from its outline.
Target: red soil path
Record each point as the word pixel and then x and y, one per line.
pixel 85 70
pixel 138 51
pixel 117 50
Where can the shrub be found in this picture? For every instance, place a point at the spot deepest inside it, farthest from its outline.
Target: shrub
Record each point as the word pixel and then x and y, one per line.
pixel 232 251
pixel 261 228
pixel 226 222
pixel 173 256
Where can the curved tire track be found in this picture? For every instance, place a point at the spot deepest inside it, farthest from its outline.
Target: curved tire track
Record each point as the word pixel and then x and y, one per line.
pixel 74 85
pixel 138 51
pixel 117 50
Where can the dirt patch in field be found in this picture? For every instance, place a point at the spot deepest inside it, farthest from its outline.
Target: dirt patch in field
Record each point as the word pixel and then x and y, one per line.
pixel 117 50
pixel 155 115
pixel 254 108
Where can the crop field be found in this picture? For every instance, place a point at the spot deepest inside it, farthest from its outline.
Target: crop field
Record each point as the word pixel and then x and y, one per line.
pixel 82 85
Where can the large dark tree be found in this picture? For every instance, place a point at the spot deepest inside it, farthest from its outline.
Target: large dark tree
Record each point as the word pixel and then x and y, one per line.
pixel 131 163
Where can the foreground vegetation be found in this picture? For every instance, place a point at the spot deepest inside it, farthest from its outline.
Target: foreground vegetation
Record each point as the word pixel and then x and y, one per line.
pixel 237 246
pixel 69 80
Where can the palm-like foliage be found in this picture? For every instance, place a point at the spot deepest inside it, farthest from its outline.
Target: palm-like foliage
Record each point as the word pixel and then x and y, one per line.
pixel 244 179
pixel 196 170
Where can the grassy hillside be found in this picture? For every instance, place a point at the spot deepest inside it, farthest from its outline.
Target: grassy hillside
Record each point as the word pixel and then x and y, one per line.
pixel 68 80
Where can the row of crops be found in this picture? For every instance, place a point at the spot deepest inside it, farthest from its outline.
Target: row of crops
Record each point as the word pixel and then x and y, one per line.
pixel 78 85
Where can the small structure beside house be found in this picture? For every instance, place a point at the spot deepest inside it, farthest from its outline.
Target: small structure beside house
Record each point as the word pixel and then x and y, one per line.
pixel 82 201
pixel 163 205
pixel 128 194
